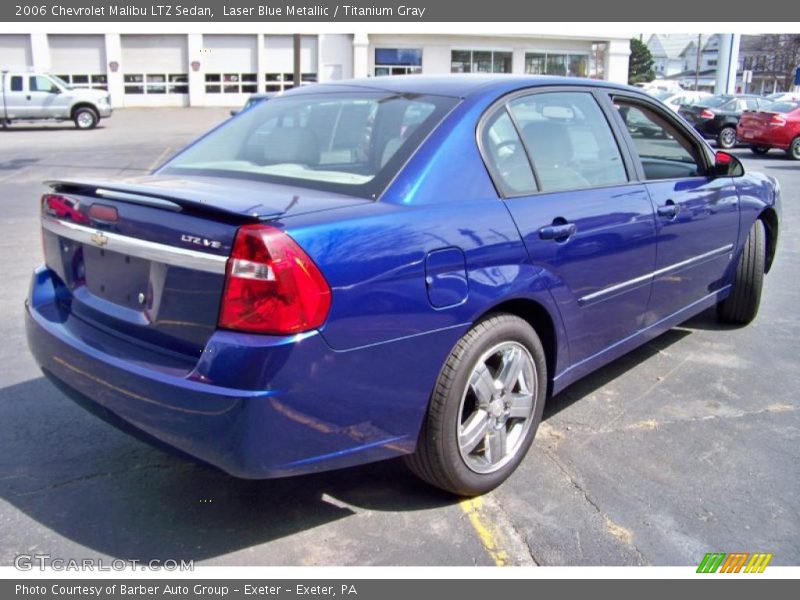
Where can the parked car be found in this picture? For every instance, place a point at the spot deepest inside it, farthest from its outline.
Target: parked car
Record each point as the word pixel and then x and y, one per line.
pixel 34 96
pixel 252 101
pixel 405 266
pixel 778 127
pixel 716 117
pixel 784 97
pixel 676 99
pixel 660 84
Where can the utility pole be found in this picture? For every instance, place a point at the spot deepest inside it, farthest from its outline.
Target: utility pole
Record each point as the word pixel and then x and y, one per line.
pixel 297 65
pixel 697 62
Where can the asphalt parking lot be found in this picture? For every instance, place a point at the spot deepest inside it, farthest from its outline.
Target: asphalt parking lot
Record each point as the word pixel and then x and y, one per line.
pixel 688 445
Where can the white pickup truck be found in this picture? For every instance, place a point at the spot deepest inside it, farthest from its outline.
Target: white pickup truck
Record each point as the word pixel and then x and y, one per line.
pixel 32 96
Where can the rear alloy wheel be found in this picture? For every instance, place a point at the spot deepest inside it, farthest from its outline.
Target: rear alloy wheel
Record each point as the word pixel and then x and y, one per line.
pixel 760 150
pixel 485 409
pixel 741 306
pixel 85 118
pixel 794 149
pixel 726 138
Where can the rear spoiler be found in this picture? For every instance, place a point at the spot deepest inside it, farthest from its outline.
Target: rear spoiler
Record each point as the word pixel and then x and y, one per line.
pixel 173 200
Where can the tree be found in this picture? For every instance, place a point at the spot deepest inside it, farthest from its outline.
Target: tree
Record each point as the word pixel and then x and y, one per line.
pixel 640 63
pixel 782 57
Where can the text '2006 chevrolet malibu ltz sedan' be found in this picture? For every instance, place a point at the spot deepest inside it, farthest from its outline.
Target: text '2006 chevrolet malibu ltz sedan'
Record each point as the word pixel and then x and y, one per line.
pixel 393 266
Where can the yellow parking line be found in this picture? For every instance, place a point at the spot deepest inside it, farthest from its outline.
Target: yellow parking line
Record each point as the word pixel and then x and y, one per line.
pixel 161 157
pixel 486 531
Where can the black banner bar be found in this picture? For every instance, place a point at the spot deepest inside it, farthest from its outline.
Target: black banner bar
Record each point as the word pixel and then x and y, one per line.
pixel 388 589
pixel 399 11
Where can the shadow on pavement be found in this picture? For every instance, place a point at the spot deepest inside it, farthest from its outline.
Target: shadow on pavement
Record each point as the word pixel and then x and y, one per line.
pixel 594 381
pixel 99 488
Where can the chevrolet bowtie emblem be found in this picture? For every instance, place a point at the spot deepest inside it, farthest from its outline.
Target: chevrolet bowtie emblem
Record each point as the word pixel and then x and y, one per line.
pixel 99 239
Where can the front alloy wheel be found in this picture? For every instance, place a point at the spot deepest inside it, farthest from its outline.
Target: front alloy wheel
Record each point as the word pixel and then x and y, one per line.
pixel 485 408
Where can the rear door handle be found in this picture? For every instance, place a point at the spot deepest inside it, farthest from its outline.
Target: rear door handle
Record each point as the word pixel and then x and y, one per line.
pixel 668 210
pixel 557 232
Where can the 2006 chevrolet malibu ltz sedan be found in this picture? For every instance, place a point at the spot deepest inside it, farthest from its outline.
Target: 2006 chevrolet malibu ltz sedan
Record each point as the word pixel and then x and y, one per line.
pixel 392 266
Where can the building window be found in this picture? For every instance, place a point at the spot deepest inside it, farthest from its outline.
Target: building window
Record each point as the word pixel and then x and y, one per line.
pixel 231 83
pixel 98 82
pixel 712 63
pixel 278 82
pixel 156 83
pixel 480 61
pixel 397 61
pixel 556 63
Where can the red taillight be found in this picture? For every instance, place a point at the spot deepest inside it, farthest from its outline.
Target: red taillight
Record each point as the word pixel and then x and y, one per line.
pixel 777 120
pixel 271 285
pixel 706 114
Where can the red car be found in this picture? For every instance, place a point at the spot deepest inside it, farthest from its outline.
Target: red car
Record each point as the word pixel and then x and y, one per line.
pixel 778 127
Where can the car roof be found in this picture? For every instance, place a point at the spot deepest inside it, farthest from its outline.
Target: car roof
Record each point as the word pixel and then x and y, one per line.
pixel 456 85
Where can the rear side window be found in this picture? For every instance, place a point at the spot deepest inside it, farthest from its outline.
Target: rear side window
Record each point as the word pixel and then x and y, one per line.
pixel 16 83
pixel 569 140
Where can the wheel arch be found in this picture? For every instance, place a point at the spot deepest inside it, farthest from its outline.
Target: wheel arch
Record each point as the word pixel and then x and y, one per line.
pixel 770 219
pixel 83 104
pixel 543 322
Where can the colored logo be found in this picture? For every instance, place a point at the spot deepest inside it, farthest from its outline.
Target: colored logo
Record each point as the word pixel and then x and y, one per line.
pixel 737 562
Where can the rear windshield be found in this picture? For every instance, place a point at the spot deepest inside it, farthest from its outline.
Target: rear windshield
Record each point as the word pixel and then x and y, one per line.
pixel 352 143
pixel 714 101
pixel 783 107
pixel 663 94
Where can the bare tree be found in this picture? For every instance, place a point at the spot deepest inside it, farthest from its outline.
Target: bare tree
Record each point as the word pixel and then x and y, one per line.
pixel 782 53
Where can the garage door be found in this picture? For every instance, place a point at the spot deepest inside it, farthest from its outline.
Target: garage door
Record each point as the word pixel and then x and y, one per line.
pixel 279 58
pixel 231 67
pixel 155 70
pixel 79 59
pixel 15 52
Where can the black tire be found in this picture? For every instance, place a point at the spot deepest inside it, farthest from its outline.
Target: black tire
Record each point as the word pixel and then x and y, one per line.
pixel 438 458
pixel 741 306
pixel 760 150
pixel 86 118
pixel 726 138
pixel 794 149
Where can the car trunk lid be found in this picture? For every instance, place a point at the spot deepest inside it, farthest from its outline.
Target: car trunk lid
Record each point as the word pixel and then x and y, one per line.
pixel 146 259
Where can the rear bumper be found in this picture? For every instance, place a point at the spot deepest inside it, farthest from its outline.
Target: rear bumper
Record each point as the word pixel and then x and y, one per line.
pixel 753 137
pixel 254 406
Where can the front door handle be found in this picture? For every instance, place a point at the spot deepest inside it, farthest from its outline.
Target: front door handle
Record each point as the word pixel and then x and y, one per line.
pixel 558 232
pixel 28 97
pixel 668 210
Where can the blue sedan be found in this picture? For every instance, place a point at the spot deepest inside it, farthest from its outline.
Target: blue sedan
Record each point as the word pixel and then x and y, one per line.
pixel 399 266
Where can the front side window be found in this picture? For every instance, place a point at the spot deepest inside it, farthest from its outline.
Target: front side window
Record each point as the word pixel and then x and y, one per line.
pixel 570 142
pixel 39 83
pixel 350 143
pixel 665 152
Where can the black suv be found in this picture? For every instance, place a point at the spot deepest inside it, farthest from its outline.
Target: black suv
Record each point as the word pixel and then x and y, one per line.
pixel 716 117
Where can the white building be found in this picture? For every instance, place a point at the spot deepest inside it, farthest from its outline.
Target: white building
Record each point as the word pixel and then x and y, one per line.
pixel 142 68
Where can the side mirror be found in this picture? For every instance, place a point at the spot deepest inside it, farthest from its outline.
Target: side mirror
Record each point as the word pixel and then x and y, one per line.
pixel 727 165
pixel 234 112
